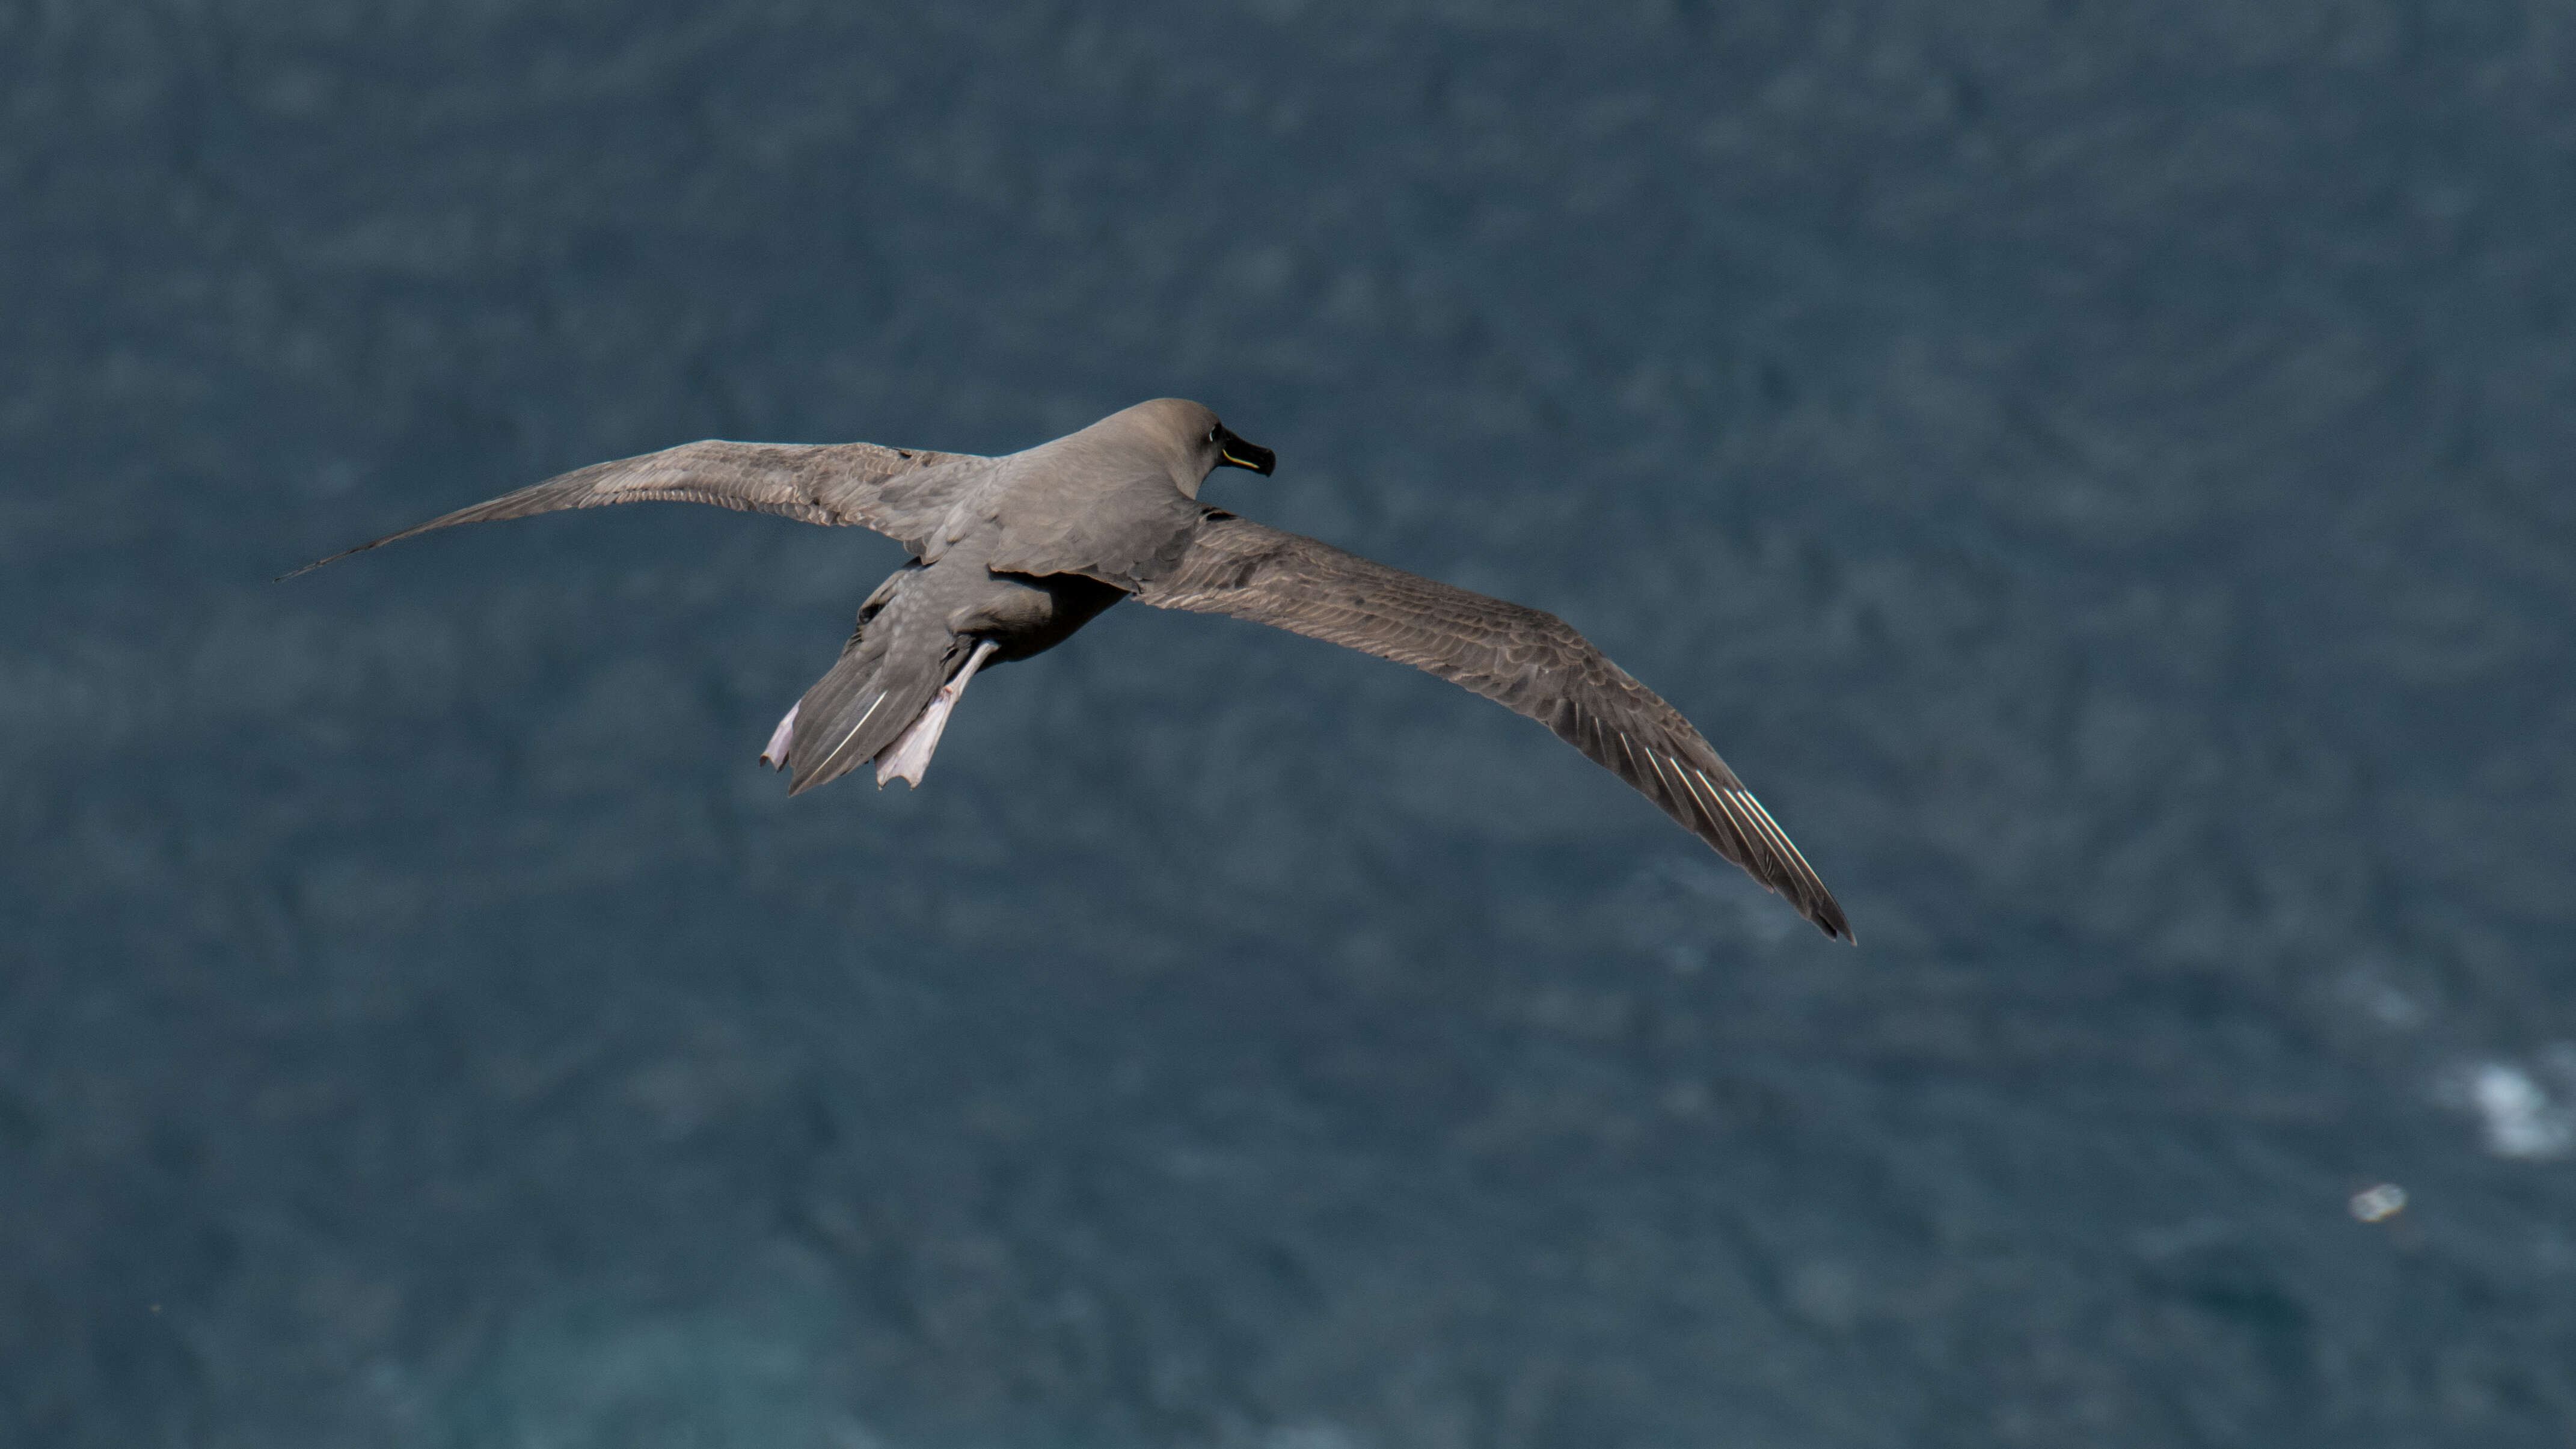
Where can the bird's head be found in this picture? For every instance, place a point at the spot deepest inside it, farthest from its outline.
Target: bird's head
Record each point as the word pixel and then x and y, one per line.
pixel 1192 440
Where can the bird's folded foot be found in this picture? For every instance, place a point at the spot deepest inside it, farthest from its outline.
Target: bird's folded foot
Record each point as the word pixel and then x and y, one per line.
pixel 910 753
pixel 774 754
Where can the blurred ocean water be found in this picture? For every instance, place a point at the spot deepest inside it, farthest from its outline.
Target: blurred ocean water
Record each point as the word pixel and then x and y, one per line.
pixel 2099 473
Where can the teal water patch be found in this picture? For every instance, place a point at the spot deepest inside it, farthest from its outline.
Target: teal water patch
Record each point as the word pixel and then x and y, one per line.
pixel 738 1376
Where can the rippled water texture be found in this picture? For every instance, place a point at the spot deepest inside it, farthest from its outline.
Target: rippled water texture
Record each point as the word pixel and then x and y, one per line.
pixel 2100 472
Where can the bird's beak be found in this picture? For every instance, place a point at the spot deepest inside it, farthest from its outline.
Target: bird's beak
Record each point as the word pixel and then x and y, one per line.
pixel 1234 452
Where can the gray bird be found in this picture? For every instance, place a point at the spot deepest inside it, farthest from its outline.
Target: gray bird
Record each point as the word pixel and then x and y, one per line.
pixel 1010 555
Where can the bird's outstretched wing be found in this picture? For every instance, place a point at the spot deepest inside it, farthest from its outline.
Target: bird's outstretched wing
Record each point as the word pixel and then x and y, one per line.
pixel 903 493
pixel 1526 660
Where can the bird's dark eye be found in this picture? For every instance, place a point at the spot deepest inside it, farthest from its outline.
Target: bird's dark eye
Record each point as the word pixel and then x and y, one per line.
pixel 1212 432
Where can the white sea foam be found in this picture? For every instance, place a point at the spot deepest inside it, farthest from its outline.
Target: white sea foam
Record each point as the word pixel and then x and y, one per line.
pixel 2518 1115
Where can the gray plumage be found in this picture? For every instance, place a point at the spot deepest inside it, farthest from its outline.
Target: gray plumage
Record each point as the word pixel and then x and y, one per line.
pixel 1012 554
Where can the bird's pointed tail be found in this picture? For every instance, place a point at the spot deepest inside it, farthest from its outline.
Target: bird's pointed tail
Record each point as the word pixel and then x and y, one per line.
pixel 887 699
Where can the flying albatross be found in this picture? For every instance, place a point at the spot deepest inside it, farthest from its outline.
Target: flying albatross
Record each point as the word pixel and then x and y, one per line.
pixel 1010 555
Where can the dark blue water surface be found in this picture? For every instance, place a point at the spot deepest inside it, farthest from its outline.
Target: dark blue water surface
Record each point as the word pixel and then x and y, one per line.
pixel 2100 472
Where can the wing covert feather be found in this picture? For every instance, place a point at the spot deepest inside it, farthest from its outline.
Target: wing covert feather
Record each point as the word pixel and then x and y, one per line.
pixel 900 492
pixel 1524 659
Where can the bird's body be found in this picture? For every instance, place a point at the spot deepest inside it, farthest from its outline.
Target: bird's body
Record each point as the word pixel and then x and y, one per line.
pixel 1012 555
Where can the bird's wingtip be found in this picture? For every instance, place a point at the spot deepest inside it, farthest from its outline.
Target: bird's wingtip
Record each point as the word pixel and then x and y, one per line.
pixel 319 562
pixel 1827 916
